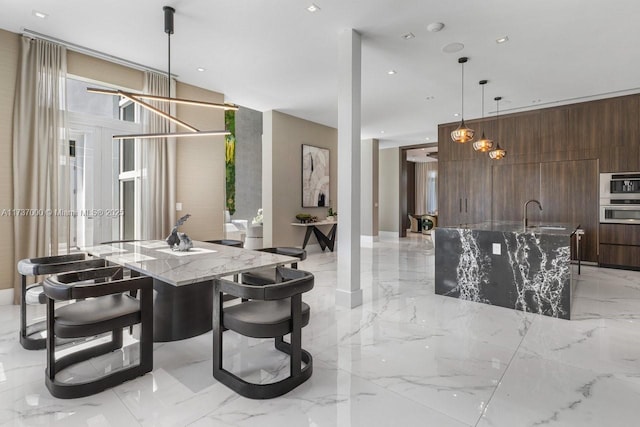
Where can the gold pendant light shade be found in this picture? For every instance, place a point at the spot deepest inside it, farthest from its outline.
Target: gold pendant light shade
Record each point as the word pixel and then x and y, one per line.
pixel 462 134
pixel 483 145
pixel 498 153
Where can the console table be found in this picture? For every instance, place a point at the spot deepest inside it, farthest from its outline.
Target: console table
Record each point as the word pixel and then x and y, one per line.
pixel 325 240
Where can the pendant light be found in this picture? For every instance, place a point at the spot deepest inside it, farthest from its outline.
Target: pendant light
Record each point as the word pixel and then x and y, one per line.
pixel 462 134
pixel 138 98
pixel 484 144
pixel 497 153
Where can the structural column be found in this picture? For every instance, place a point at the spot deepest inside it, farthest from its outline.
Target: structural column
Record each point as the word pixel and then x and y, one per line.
pixel 349 293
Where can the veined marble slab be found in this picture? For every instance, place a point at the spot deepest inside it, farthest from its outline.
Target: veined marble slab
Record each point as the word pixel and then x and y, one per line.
pixel 208 261
pixel 504 264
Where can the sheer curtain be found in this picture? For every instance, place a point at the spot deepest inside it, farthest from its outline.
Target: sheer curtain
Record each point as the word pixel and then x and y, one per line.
pixel 158 165
pixel 40 154
pixel 421 188
pixel 426 187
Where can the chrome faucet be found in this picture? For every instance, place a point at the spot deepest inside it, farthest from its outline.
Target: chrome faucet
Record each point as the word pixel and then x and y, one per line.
pixel 524 216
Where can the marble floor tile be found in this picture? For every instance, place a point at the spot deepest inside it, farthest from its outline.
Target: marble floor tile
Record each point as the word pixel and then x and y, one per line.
pixel 539 392
pixel 405 357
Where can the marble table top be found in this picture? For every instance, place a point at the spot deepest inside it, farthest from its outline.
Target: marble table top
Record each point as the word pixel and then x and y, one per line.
pixel 205 261
pixel 553 228
pixel 309 224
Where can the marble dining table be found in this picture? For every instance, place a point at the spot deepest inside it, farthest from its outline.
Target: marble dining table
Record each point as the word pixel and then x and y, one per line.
pixel 183 281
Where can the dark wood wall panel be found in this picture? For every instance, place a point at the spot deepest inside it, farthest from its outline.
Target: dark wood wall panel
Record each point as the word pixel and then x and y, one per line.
pixel 411 189
pixel 569 193
pixel 512 186
pixel 568 144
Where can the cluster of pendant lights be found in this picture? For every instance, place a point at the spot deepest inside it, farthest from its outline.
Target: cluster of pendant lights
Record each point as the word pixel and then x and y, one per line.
pixel 464 134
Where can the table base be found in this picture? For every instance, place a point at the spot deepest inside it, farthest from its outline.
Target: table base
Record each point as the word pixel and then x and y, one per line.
pixel 181 312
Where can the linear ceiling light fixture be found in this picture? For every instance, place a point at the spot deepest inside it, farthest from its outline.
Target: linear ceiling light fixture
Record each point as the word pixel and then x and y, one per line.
pixel 138 98
pixel 462 134
pixel 484 144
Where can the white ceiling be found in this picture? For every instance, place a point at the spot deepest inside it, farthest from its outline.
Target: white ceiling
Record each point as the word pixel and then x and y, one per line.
pixel 276 55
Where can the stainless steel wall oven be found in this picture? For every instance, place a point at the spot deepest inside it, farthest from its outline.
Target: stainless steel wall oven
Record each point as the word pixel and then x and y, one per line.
pixel 620 198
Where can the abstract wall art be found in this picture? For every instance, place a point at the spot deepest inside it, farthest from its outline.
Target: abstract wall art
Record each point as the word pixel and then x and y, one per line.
pixel 315 176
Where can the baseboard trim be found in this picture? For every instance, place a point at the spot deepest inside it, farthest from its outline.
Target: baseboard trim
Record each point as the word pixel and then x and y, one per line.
pixel 368 241
pixel 349 299
pixel 6 296
pixel 388 235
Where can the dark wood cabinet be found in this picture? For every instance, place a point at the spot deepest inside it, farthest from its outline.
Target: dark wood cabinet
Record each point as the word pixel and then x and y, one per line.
pixel 620 234
pixel 620 245
pixel 609 128
pixel 520 136
pixel 512 186
pixel 620 256
pixel 569 193
pixel 463 187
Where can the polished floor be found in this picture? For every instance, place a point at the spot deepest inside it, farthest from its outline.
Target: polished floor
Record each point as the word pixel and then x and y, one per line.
pixel 406 357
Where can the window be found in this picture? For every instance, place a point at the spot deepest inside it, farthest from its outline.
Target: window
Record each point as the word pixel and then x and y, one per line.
pixel 106 174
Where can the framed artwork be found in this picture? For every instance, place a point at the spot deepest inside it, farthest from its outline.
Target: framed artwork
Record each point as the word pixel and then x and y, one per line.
pixel 315 176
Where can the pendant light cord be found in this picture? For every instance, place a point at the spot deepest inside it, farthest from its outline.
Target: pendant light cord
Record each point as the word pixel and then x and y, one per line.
pixel 483 101
pixel 169 65
pixel 462 85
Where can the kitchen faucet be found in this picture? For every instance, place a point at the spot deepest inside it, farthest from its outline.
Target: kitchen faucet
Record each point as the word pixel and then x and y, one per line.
pixel 524 216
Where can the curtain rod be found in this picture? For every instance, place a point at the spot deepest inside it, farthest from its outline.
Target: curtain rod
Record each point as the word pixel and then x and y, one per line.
pixel 92 52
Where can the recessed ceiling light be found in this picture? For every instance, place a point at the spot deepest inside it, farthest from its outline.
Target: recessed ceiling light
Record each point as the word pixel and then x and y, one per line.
pixel 381 131
pixel 502 39
pixel 408 36
pixel 201 69
pixel 456 114
pixel 39 14
pixel 313 8
pixel 427 139
pixel 435 27
pixel 391 72
pixel 453 47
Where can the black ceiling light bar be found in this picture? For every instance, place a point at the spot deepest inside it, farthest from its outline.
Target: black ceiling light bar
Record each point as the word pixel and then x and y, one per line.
pixel 138 98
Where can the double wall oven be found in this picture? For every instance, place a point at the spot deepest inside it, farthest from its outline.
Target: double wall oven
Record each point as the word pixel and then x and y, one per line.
pixel 620 198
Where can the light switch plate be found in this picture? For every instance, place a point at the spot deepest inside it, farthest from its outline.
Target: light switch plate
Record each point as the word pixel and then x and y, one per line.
pixel 497 249
pixel 178 206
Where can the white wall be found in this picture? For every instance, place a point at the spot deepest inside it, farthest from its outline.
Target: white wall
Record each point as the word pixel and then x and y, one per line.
pixel 389 182
pixel 282 139
pixel 369 188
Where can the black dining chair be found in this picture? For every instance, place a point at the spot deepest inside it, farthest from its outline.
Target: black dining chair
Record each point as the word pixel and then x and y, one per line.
pixel 31 333
pixel 272 311
pixel 227 242
pixel 266 276
pixel 102 304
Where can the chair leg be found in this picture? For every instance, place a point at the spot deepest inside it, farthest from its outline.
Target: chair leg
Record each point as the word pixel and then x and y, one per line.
pixel 71 391
pixel 27 341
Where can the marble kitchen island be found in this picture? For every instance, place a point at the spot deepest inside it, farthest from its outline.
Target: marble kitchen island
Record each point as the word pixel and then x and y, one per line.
pixel 502 263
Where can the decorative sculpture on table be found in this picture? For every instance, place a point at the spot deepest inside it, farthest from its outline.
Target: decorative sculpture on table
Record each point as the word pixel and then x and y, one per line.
pixel 179 241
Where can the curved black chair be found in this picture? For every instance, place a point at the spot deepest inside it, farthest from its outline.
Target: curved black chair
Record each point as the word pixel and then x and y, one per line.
pixel 273 311
pixel 31 334
pixel 267 276
pixel 102 305
pixel 227 242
